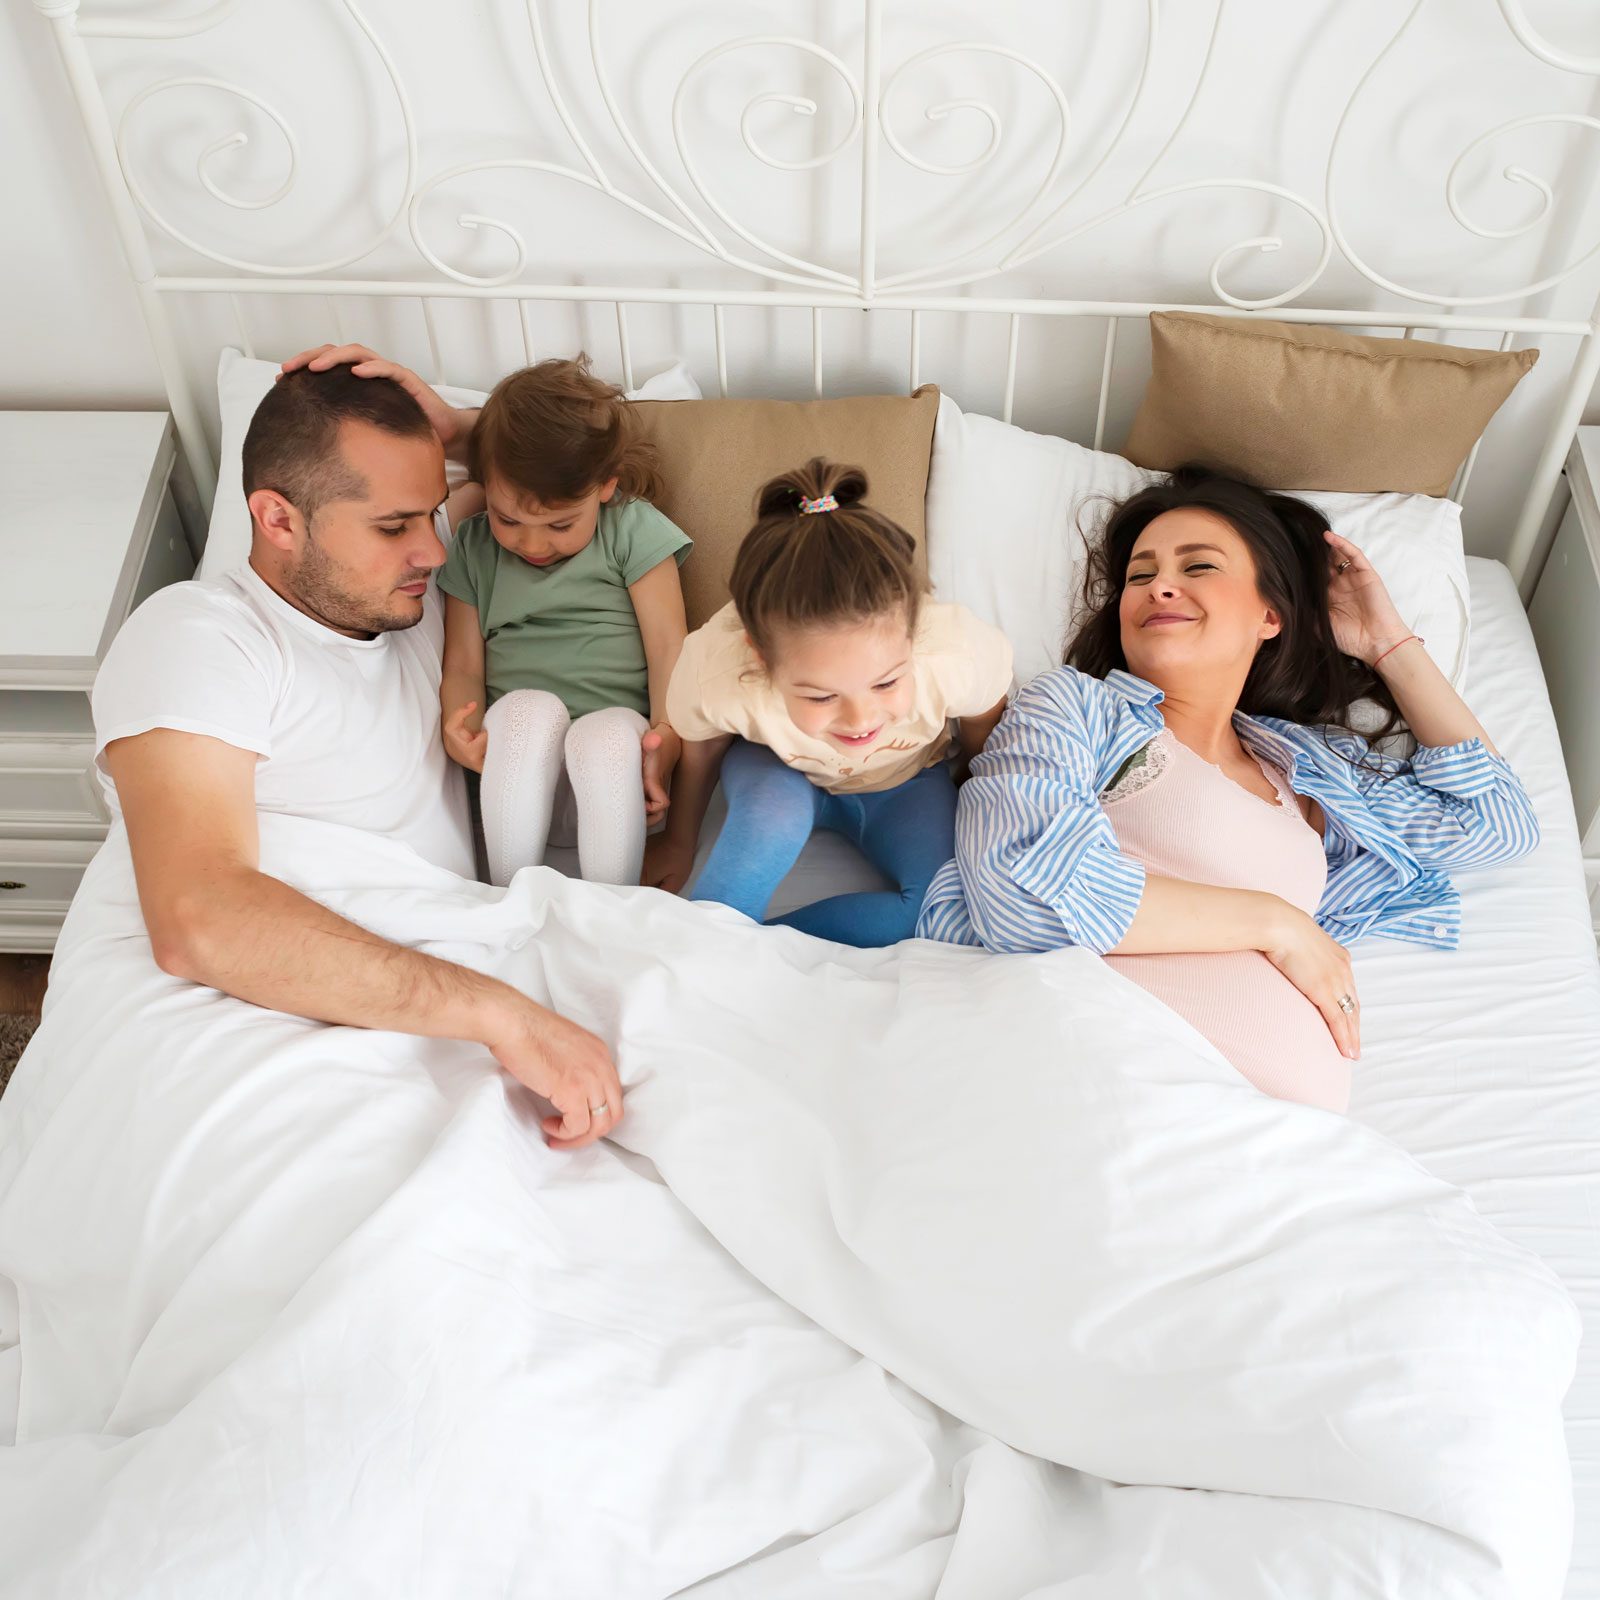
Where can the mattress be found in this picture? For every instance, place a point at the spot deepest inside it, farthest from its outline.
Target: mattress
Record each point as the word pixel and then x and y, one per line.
pixel 1483 1062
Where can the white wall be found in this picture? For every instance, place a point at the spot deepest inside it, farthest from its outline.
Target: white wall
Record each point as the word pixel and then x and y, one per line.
pixel 70 332
pixel 69 322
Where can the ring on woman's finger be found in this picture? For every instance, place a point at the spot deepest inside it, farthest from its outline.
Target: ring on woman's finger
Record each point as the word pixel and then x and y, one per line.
pixel 599 1109
pixel 1346 1004
pixel 1344 566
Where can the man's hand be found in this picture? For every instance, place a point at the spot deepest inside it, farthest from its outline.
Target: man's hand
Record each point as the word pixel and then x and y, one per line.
pixel 566 1064
pixel 451 425
pixel 217 920
pixel 661 747
pixel 667 863
pixel 465 746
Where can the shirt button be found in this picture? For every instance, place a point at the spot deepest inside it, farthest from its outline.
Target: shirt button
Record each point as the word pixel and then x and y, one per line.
pixel 1441 932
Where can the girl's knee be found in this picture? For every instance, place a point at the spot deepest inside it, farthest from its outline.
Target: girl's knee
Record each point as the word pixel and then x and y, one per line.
pixel 522 711
pixel 612 726
pixel 604 746
pixel 905 927
pixel 911 897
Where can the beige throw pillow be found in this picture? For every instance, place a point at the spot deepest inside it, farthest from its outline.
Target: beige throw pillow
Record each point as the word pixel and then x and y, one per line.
pixel 716 454
pixel 1315 408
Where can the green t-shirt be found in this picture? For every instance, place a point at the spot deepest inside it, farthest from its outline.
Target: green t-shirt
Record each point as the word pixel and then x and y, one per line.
pixel 568 628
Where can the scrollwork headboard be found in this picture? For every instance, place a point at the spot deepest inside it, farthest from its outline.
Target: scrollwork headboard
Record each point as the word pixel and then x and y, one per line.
pixel 1032 176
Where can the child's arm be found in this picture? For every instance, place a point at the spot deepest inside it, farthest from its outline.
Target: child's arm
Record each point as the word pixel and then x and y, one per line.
pixel 972 734
pixel 658 604
pixel 461 690
pixel 669 856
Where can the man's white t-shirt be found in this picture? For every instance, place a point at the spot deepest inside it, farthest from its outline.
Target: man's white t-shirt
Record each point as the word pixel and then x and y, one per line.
pixel 347 730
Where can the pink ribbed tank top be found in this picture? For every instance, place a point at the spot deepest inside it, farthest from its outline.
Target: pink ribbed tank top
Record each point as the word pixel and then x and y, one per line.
pixel 1185 818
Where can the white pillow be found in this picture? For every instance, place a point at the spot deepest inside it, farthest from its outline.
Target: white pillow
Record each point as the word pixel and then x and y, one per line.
pixel 1004 510
pixel 243 383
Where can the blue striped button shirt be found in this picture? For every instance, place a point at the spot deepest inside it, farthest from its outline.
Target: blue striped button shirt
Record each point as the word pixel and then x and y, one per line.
pixel 1037 864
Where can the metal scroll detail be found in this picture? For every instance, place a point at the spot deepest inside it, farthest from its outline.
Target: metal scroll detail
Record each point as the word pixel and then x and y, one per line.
pixel 882 106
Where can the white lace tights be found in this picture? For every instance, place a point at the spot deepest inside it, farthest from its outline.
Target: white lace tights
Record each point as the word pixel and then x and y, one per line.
pixel 531 739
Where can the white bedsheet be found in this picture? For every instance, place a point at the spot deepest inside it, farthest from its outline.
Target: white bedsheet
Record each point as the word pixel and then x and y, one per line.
pixel 311 1310
pixel 1483 1063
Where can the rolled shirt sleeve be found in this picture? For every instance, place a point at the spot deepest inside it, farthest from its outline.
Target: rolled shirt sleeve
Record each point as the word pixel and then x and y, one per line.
pixel 1037 860
pixel 1454 805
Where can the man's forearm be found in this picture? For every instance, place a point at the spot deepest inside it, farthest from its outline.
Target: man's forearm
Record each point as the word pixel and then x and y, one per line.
pixel 253 936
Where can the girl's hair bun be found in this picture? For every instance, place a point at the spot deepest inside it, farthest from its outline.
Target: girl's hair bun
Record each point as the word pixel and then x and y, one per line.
pixel 819 555
pixel 814 481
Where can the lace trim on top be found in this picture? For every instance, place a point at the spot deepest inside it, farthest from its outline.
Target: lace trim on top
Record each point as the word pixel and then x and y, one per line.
pixel 1139 771
pixel 1145 766
pixel 1288 800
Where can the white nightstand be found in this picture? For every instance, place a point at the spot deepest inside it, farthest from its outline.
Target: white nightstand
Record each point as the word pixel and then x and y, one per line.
pixel 1565 614
pixel 88 529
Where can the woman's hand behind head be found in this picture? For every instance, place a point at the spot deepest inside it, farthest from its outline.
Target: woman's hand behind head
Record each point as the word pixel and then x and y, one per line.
pixel 1365 622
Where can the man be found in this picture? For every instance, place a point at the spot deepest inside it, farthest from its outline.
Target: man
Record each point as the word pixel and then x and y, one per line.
pixel 307 683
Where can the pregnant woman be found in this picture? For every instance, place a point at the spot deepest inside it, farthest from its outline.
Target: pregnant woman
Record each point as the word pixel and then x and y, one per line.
pixel 1188 795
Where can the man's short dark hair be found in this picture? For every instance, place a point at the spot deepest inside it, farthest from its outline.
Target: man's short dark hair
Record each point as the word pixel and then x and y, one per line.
pixel 292 445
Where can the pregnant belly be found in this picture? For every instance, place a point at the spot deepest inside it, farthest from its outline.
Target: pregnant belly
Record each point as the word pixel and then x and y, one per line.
pixel 1254 1016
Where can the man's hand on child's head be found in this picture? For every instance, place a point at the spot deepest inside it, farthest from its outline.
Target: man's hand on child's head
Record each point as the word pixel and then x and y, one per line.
pixel 447 422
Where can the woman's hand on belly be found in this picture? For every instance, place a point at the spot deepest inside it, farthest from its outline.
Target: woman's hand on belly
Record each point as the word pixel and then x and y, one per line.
pixel 1319 967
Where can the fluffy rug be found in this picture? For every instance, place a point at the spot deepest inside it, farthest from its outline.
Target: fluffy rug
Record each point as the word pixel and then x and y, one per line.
pixel 15 1032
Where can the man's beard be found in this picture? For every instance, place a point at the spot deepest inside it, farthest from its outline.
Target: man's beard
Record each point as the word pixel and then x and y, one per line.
pixel 315 581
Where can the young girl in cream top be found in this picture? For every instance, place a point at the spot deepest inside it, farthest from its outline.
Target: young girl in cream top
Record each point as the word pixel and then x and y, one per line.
pixel 829 694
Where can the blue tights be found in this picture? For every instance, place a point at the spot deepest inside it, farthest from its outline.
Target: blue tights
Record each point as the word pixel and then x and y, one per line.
pixel 907 832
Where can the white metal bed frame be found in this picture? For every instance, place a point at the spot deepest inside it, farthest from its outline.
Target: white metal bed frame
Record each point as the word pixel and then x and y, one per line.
pixel 1038 228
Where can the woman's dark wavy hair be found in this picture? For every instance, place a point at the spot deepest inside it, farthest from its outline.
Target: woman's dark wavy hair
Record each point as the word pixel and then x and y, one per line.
pixel 1301 675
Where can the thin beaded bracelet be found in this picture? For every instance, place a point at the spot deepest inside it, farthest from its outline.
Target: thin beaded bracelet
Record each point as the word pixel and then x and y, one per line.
pixel 1395 646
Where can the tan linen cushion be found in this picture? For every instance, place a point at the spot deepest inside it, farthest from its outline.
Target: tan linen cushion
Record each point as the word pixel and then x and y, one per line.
pixel 716 454
pixel 1315 408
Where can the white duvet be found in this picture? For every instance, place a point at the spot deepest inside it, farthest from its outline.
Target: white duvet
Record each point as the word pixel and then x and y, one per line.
pixel 916 1273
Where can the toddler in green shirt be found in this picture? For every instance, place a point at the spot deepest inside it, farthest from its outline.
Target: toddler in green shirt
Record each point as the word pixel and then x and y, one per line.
pixel 563 621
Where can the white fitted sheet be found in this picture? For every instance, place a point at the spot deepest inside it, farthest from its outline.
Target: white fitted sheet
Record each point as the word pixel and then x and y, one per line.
pixel 1483 1063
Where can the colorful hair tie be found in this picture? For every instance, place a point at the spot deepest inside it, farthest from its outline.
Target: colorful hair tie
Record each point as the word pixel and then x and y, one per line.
pixel 825 502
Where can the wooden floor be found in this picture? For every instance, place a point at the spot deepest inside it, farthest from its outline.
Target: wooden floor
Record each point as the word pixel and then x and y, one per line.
pixel 22 980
